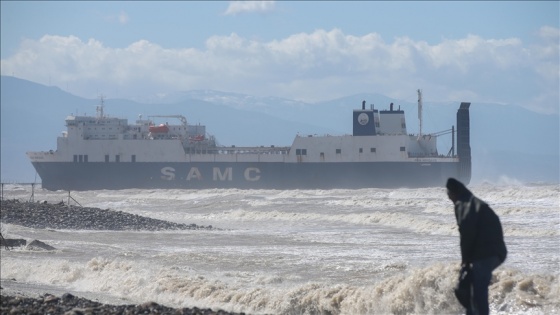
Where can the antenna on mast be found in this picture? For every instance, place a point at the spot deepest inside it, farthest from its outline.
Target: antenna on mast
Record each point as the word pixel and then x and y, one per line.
pixel 420 111
pixel 99 108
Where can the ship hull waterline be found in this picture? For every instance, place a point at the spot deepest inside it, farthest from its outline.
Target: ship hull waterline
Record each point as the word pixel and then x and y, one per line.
pixel 70 176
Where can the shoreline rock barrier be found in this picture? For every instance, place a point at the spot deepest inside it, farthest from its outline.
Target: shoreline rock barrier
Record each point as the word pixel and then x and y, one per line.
pixel 43 215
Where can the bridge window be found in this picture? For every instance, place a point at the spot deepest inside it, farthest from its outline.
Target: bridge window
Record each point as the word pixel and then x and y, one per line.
pixel 361 150
pixel 117 158
pixel 107 158
pixel 81 158
pixel 403 149
pixel 372 150
pixel 75 158
pixel 133 158
pixel 338 151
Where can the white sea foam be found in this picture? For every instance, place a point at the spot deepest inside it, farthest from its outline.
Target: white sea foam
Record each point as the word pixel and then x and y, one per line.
pixel 420 291
pixel 366 251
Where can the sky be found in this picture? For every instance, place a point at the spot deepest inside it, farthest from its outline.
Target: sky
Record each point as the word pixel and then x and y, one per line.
pixel 478 51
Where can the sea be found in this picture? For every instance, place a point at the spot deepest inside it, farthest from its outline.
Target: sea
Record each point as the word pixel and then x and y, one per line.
pixel 365 251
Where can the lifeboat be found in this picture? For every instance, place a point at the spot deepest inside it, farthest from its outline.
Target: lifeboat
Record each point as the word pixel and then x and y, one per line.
pixel 159 129
pixel 196 138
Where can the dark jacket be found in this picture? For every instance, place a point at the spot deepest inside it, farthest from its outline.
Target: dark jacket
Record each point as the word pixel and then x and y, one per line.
pixel 480 229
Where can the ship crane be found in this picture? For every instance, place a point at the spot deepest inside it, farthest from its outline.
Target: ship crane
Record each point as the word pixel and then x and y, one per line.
pixel 445 132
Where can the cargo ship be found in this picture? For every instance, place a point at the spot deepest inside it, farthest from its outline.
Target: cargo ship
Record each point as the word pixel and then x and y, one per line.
pixel 103 152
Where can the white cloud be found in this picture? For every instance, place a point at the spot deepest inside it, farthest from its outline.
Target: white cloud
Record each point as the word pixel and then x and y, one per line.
pixel 307 66
pixel 123 17
pixel 550 32
pixel 237 7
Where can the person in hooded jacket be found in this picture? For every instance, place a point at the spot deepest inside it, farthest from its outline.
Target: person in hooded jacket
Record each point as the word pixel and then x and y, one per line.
pixel 482 243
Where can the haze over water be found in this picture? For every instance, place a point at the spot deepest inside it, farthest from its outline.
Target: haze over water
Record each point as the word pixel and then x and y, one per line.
pixel 368 251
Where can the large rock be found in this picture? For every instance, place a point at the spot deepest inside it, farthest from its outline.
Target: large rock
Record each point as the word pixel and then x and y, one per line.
pixel 38 245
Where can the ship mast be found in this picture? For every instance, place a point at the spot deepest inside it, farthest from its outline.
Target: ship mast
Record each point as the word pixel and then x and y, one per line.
pixel 420 111
pixel 99 108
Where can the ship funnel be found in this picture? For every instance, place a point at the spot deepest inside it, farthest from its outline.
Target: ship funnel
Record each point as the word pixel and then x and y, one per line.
pixel 364 121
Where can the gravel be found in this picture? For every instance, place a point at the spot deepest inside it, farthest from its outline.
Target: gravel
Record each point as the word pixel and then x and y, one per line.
pixel 69 304
pixel 59 216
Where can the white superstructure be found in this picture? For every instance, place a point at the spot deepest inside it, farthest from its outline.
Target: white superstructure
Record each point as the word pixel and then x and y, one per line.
pixel 109 139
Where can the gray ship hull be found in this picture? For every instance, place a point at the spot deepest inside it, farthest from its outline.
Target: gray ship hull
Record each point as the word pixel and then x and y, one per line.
pixel 70 176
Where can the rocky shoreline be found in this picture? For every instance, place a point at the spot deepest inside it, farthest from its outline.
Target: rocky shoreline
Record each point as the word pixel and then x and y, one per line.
pixel 69 304
pixel 42 215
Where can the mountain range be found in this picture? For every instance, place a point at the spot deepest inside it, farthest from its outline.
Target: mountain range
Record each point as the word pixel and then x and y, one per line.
pixel 508 142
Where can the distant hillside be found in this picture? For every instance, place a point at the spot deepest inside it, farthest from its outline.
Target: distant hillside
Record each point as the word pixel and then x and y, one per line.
pixel 506 140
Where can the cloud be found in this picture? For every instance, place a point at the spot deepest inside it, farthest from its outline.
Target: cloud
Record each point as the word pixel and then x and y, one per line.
pixel 237 7
pixel 314 66
pixel 550 32
pixel 123 18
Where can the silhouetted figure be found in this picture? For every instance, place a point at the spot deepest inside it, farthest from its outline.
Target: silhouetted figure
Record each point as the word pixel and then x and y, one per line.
pixel 482 245
pixel 3 241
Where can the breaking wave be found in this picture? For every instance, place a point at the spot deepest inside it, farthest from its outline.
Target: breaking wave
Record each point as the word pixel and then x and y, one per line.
pixel 426 290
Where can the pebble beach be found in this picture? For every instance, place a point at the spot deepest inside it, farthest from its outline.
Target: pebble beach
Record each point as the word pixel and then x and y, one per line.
pixel 42 215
